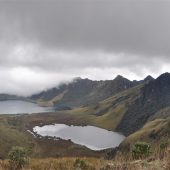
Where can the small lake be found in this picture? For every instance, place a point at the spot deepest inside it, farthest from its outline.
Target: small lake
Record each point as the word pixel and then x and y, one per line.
pixel 90 136
pixel 17 106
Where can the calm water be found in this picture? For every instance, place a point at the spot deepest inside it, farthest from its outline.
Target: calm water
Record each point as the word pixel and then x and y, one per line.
pixel 16 106
pixel 92 137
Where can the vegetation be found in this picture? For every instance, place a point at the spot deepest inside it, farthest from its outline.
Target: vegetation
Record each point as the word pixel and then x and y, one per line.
pixel 119 163
pixel 14 132
pixel 80 164
pixel 141 150
pixel 17 158
pixel 136 111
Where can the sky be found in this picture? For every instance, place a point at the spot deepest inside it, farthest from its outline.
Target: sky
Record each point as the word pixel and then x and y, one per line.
pixel 46 42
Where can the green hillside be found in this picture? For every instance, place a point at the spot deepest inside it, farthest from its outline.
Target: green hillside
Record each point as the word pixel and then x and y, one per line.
pixel 141 113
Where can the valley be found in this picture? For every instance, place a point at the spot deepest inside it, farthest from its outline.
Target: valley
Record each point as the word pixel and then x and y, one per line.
pixel 141 112
pixel 84 85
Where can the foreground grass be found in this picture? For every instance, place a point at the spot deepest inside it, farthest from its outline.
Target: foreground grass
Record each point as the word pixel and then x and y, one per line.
pixel 92 164
pixel 58 164
pixel 120 162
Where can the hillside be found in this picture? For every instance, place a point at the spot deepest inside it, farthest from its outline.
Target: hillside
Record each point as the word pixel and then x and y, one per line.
pixel 15 131
pixel 129 110
pixel 154 96
pixel 140 112
pixel 84 92
pixel 79 92
pixel 136 112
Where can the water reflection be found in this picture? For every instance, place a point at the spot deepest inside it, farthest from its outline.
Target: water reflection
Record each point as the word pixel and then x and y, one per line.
pixel 92 137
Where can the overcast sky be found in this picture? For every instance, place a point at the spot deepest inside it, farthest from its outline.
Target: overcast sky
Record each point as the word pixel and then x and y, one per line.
pixel 46 42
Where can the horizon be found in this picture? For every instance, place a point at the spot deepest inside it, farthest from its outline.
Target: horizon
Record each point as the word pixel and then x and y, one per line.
pixel 77 78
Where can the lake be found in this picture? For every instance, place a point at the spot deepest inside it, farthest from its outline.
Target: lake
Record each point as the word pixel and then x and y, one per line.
pixel 17 106
pixel 90 136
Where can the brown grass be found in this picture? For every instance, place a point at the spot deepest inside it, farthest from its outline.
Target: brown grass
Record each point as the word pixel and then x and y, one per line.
pixel 120 163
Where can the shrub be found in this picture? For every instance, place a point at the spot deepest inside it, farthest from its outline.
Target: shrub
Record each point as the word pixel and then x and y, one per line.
pixel 164 144
pixel 80 164
pixel 17 158
pixel 140 150
pixel 163 147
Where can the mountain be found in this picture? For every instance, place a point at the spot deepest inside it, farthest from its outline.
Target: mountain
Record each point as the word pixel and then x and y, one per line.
pixel 148 78
pixel 145 80
pixel 80 92
pixel 83 92
pixel 154 96
pixel 4 97
pixel 123 106
pixel 138 109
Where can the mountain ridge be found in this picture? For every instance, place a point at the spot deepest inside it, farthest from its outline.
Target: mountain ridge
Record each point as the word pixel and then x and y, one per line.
pixel 155 95
pixel 138 110
pixel 83 92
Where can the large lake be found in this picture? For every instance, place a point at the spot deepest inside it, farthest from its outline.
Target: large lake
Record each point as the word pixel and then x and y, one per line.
pixel 17 106
pixel 92 137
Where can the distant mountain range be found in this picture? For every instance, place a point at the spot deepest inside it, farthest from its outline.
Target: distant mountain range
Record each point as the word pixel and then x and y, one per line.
pixel 130 104
pixel 80 92
pixel 138 109
pixel 119 104
pixel 84 92
pixel 4 97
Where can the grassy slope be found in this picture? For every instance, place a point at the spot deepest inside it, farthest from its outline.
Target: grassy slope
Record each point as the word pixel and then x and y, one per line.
pixel 13 132
pixel 92 164
pixel 156 130
pixel 106 114
pixel 153 128
pixel 161 114
pixel 12 135
pixel 51 102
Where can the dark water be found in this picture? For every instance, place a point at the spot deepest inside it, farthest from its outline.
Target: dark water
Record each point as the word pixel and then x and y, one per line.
pixel 16 106
pixel 92 137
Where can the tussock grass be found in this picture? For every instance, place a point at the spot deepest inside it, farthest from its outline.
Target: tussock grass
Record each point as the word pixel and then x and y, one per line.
pixel 120 163
pixel 59 164
pixel 158 160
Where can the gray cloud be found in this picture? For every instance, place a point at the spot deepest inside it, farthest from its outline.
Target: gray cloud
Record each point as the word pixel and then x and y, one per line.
pixel 54 41
pixel 129 26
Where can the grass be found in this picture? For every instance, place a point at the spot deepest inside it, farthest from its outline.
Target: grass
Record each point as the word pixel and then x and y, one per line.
pixel 163 113
pixel 11 136
pixel 51 102
pixel 120 163
pixel 111 119
pixel 106 114
pixel 13 132
pixel 154 132
pixel 58 164
pixel 153 128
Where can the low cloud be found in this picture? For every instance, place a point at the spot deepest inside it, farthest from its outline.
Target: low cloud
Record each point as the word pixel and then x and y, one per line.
pixel 44 43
